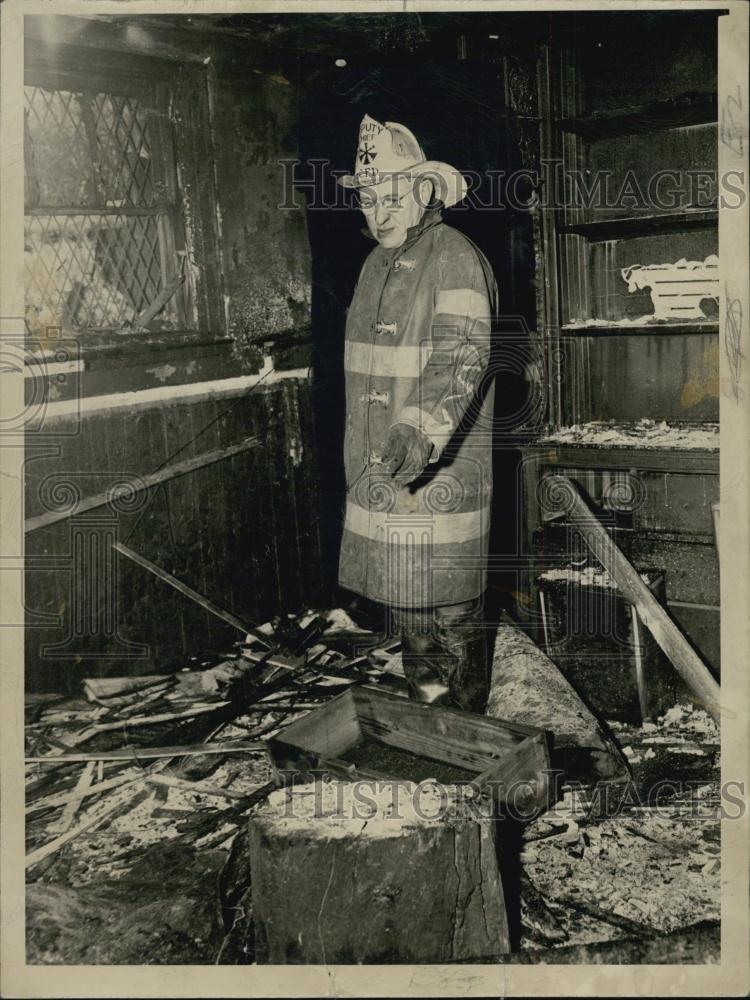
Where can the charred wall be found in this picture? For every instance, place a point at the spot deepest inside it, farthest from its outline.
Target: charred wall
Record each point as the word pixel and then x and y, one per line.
pixel 242 532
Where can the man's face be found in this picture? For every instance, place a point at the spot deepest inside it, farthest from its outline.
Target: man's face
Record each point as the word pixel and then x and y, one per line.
pixel 390 208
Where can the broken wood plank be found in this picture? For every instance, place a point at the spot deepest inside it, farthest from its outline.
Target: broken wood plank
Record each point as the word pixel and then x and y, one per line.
pixel 71 808
pixel 130 487
pixel 282 662
pixel 111 688
pixel 132 707
pixel 151 753
pixel 198 787
pixel 118 804
pixel 672 642
pixel 62 798
pixel 288 676
pixel 183 588
pixel 54 742
pixel 46 850
pixel 233 815
pixel 146 720
pixel 51 779
pixel 154 308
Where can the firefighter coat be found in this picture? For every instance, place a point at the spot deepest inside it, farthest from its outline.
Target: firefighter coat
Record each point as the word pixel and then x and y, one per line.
pixel 417 351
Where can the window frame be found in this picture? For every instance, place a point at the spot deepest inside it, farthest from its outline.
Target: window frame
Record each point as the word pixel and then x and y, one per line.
pixel 182 88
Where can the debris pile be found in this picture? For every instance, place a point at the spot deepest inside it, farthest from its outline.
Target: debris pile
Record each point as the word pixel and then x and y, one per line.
pixel 168 762
pixel 653 867
pixel 644 433
pixel 589 576
pixel 138 794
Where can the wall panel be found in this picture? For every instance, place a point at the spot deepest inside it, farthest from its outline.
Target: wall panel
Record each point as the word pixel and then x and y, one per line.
pixel 243 531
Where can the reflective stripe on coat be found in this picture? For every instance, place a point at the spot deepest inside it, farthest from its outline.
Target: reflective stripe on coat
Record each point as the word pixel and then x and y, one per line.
pixel 417 349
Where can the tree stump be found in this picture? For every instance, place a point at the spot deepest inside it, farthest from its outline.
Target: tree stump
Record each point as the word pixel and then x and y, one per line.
pixel 376 872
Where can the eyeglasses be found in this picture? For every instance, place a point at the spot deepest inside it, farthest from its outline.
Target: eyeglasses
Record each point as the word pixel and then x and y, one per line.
pixel 390 202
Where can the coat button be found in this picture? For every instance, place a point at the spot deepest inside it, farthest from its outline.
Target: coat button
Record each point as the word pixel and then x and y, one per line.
pixel 374 396
pixel 391 328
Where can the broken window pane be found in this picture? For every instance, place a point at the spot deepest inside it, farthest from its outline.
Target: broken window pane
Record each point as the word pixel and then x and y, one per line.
pixel 97 226
pixel 92 271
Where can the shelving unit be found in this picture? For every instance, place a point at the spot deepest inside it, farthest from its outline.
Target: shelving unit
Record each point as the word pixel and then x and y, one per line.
pixel 638 329
pixel 599 230
pixel 612 133
pixel 692 108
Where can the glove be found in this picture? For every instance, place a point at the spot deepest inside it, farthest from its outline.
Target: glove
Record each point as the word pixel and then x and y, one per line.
pixel 406 453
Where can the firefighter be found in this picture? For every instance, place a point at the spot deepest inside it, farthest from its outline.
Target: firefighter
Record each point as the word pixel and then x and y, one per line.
pixel 418 438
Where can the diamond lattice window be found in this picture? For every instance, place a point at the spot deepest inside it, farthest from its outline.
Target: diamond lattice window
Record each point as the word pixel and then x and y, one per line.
pixel 99 247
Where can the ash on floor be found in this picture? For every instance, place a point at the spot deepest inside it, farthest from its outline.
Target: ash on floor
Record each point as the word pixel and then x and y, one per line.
pixel 653 868
pixel 164 879
pixel 145 889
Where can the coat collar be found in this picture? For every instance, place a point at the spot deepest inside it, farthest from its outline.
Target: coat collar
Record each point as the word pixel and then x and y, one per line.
pixel 431 217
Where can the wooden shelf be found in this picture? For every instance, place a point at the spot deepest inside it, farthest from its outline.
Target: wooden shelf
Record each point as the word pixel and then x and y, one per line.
pixel 639 330
pixel 695 108
pixel 600 456
pixel 643 225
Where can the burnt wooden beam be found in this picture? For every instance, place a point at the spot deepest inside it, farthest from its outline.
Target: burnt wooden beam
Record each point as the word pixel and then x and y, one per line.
pixel 133 754
pixel 198 788
pixel 115 807
pixel 526 685
pixel 192 94
pixel 673 643
pixel 95 38
pixel 130 487
pixel 183 588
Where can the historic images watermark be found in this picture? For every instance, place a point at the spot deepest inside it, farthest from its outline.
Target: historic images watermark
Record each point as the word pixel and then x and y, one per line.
pixel 553 186
pixel 36 369
pixel 318 795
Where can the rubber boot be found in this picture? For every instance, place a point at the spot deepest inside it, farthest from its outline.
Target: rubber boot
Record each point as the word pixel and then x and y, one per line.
pixel 462 634
pixel 444 654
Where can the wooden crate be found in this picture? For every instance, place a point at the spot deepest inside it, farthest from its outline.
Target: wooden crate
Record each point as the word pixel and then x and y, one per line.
pixel 366 733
